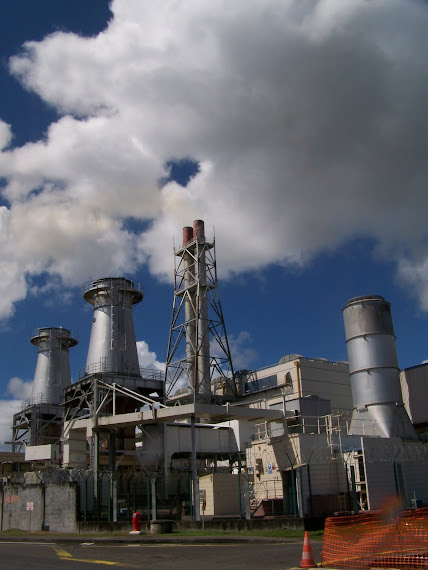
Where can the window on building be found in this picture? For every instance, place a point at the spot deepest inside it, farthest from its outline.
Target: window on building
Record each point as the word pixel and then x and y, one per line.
pixel 261 384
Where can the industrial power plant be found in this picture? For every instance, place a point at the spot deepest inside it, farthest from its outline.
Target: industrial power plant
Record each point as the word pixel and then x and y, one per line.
pixel 302 439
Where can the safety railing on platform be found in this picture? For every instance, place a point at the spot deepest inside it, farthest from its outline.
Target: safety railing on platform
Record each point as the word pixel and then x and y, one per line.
pixel 330 425
pixel 264 491
pixel 35 400
pixel 269 489
pixel 104 366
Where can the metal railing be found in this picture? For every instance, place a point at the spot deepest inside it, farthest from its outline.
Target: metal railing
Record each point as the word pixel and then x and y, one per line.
pixel 113 282
pixel 104 366
pixel 54 332
pixel 332 424
pixel 34 400
pixel 266 430
pixel 265 490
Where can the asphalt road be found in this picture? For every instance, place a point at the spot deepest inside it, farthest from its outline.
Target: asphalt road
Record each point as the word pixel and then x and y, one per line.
pixel 276 556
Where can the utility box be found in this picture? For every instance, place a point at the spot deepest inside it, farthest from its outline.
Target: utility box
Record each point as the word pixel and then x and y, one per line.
pixel 221 492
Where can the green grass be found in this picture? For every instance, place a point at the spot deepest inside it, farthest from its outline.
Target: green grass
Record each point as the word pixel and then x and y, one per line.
pixel 276 533
pixel 267 533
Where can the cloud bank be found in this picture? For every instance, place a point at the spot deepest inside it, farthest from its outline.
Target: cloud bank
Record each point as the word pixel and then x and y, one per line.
pixel 307 118
pixel 19 390
pixel 147 358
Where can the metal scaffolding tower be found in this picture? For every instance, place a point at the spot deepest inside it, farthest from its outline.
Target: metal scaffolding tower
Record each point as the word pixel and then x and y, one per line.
pixel 199 364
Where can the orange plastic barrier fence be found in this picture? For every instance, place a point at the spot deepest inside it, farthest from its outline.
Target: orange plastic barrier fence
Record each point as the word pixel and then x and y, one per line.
pixel 377 539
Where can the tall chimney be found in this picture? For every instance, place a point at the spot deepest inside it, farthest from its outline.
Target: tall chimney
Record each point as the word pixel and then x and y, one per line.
pixel 197 319
pixel 52 373
pixel 202 325
pixel 112 347
pixel 189 265
pixel 373 367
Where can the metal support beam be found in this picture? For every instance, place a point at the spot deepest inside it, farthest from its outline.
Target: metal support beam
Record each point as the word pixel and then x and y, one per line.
pixel 195 479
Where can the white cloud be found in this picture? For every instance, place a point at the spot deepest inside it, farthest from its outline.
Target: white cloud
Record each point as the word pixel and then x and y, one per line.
pixel 241 350
pixel 13 286
pixel 415 271
pixel 243 354
pixel 19 388
pixel 7 409
pixel 307 118
pixel 148 359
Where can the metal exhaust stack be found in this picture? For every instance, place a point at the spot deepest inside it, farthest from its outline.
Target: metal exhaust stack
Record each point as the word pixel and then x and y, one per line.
pixel 373 367
pixel 202 329
pixel 52 373
pixel 192 371
pixel 113 347
pixel 196 309
pixel 189 304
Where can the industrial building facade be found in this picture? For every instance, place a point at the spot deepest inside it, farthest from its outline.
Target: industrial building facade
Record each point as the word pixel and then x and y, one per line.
pixel 301 438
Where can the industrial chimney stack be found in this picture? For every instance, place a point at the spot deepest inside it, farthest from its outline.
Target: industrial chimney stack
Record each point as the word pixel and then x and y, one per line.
pixel 196 309
pixel 197 320
pixel 112 347
pixel 52 373
pixel 373 367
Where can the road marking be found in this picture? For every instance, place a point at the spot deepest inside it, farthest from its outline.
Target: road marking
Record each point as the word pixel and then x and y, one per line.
pixel 64 555
pixel 61 552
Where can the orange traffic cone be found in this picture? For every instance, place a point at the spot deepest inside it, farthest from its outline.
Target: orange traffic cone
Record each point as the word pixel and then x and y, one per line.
pixel 307 558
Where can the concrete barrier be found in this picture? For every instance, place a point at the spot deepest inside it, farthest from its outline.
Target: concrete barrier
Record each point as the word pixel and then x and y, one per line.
pixel 161 526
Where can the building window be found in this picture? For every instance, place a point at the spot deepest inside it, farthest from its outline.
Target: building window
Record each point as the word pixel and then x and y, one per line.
pixel 288 381
pixel 261 384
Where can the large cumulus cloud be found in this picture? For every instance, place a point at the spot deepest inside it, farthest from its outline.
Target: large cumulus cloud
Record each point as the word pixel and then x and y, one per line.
pixel 307 118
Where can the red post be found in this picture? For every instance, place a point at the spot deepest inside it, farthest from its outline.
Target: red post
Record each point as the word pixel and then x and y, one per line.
pixel 136 521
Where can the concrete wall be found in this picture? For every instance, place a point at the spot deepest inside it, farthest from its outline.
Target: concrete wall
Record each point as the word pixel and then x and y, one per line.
pixel 39 507
pixel 379 456
pixel 414 386
pixel 380 483
pixel 384 458
pixel 328 380
pixel 74 447
pixel 415 473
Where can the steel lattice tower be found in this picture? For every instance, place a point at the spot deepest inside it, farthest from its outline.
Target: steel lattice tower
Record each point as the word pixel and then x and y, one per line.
pixel 198 349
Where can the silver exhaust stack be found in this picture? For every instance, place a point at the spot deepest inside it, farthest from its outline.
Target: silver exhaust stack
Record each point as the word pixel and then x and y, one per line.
pixel 52 373
pixel 112 347
pixel 374 372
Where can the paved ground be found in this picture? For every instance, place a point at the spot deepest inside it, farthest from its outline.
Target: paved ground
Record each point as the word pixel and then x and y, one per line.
pixel 163 552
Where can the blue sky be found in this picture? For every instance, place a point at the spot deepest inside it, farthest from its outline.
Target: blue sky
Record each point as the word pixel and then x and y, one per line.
pixel 307 122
